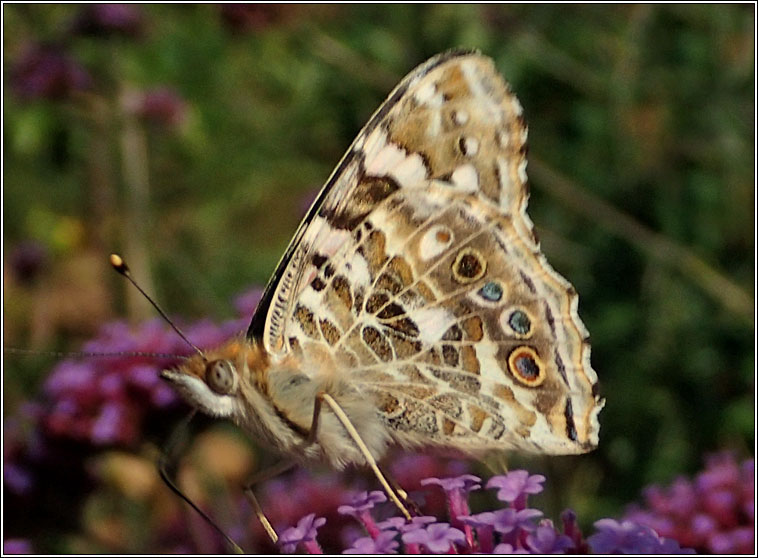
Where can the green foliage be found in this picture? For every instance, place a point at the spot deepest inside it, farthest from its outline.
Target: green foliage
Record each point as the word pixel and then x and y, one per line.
pixel 641 166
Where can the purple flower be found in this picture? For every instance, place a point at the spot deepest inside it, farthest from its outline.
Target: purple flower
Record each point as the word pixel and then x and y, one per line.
pixel 572 531
pixel 484 525
pixel 17 546
pixel 627 537
pixel 418 521
pixel 546 540
pixel 16 478
pixel 112 425
pixel 436 537
pixel 247 302
pixel 27 259
pixel 456 489
pixel 46 72
pixel 515 486
pixel 384 543
pixel 394 523
pixel 241 18
pixel 705 513
pixel 102 20
pixel 161 106
pixel 362 501
pixel 505 548
pixel 736 541
pixel 507 520
pixel 304 533
pixel 464 483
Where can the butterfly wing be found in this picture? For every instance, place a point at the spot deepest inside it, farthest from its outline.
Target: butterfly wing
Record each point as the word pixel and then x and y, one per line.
pixel 418 271
pixel 402 144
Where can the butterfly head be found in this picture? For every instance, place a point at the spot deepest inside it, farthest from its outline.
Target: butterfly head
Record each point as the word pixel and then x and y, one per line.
pixel 210 381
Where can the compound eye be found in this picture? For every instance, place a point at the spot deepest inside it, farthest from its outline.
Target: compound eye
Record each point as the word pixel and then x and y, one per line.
pixel 220 376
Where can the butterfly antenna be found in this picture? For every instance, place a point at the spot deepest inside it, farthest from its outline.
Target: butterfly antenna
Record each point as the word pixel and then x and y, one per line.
pixel 88 354
pixel 166 468
pixel 119 265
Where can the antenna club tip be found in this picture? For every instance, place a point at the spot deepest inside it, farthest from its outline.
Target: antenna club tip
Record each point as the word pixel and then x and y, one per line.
pixel 119 264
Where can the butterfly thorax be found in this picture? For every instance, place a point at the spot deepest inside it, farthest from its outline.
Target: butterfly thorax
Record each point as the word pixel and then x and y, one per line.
pixel 272 399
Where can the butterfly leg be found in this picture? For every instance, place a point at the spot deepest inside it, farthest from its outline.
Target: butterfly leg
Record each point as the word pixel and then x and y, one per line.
pixel 261 476
pixel 345 420
pixel 403 495
pixel 276 470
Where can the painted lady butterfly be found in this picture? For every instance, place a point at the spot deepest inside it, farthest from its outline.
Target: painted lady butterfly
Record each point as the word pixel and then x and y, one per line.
pixel 414 300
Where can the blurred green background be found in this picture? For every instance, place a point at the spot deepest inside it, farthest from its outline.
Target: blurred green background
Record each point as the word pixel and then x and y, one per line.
pixel 192 138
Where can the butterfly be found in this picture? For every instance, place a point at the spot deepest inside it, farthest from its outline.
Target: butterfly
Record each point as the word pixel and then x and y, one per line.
pixel 414 300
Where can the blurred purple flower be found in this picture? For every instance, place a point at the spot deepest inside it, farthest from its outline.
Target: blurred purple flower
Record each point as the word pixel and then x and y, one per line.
pixel 17 546
pixel 247 302
pixel 304 533
pixel 713 513
pixel 47 72
pixel 16 478
pixel 571 530
pixel 27 259
pixel 102 20
pixel 384 543
pixel 436 537
pixel 627 537
pixel 161 106
pixel 104 401
pixel 736 541
pixel 514 487
pixel 112 425
pixel 240 18
pixel 546 540
pixel 505 548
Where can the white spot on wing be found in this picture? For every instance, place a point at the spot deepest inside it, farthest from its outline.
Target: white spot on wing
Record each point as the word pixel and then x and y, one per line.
pixel 435 124
pixel 470 146
pixel 502 139
pixel 428 95
pixel 410 172
pixel 431 246
pixel 374 143
pixel 327 238
pixel 432 323
pixel 460 117
pixel 389 157
pixel 359 273
pixel 466 178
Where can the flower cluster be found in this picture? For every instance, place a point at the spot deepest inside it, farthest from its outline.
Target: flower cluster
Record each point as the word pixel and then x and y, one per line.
pixel 714 513
pixel 45 71
pixel 105 401
pixel 105 20
pixel 514 528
